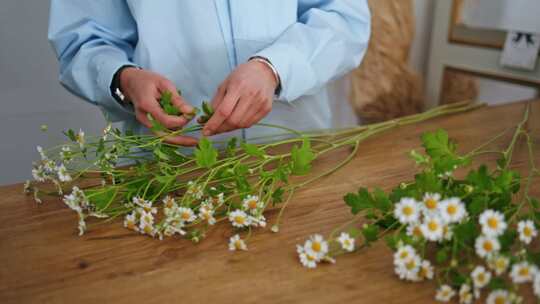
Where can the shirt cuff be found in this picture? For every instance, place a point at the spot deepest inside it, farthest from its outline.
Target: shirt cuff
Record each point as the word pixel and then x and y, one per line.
pixel 294 71
pixel 112 109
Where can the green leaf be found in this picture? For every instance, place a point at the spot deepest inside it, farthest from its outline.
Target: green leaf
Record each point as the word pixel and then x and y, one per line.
pixel 381 200
pixel 156 126
pixel 507 239
pixel 205 153
pixel 354 232
pixel 437 144
pixel 166 103
pixel 207 109
pixel 70 134
pixel 497 283
pixel 253 150
pixel 101 198
pixel 231 146
pixel 465 232
pixel 370 233
pixel 427 181
pixel 302 158
pixel 360 201
pixel 277 196
pixel 442 255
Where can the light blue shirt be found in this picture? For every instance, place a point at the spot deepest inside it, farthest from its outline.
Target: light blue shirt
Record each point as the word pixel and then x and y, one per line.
pixel 196 44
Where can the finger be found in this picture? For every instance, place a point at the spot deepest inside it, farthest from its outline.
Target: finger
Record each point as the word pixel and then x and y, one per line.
pixel 225 127
pixel 218 97
pixel 222 112
pixel 248 118
pixel 141 117
pixel 240 111
pixel 169 121
pixel 182 140
pixel 177 100
pixel 258 114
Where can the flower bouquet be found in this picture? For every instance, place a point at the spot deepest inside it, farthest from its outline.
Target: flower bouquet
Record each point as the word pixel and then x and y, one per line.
pixel 471 233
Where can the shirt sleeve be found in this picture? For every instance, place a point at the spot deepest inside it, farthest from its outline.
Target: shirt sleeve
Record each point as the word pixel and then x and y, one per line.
pixel 329 40
pixel 92 40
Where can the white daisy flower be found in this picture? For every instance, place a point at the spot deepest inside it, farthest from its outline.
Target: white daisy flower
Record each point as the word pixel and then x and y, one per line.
pixel 498 297
pixel 527 231
pixel 79 138
pixel 186 215
pixel 465 294
pixel 130 221
pixel 426 270
pixel 217 200
pixel 239 219
pixel 430 203
pixel 414 231
pixel 146 217
pixel 480 277
pixel 236 243
pixel 144 204
pixel 63 174
pixel 252 204
pixel 346 242
pixel 522 272
pixel 492 222
pixel 308 260
pixel 169 202
pixel 409 270
pixel 486 246
pixel 536 285
pixel 433 228
pixel 406 211
pixel 194 190
pixel 452 210
pixel 147 228
pixel 207 214
pixel 404 254
pixel 445 293
pixel 499 264
pixel 38 174
pixel 316 246
pixel 448 233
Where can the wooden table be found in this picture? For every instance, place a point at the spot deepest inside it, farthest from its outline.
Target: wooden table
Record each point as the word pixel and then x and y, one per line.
pixel 43 260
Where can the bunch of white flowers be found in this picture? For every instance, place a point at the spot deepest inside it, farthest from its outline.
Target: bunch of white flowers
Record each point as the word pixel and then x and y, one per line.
pixel 432 218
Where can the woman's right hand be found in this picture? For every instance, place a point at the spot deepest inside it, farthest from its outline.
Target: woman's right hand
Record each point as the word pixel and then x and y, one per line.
pixel 144 89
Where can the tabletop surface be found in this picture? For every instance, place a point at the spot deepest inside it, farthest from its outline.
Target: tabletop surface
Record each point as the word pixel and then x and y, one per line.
pixel 44 261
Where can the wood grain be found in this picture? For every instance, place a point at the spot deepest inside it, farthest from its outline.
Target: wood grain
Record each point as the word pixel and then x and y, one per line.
pixel 43 260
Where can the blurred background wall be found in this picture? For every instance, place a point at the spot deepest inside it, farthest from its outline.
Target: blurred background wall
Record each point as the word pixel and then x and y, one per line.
pixel 30 95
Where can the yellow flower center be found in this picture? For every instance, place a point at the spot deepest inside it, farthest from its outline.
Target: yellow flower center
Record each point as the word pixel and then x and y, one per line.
pixel 433 226
pixel 147 229
pixel 408 210
pixel 500 300
pixel 451 209
pixel 527 231
pixel 347 243
pixel 252 204
pixel 411 264
pixel 481 277
pixel 238 244
pixel 423 272
pixel 310 257
pixel 488 246
pixel 500 264
pixel 239 219
pixel 431 203
pixel 404 254
pixel 493 223
pixel 316 246
pixel 524 271
pixel 130 225
pixel 186 215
